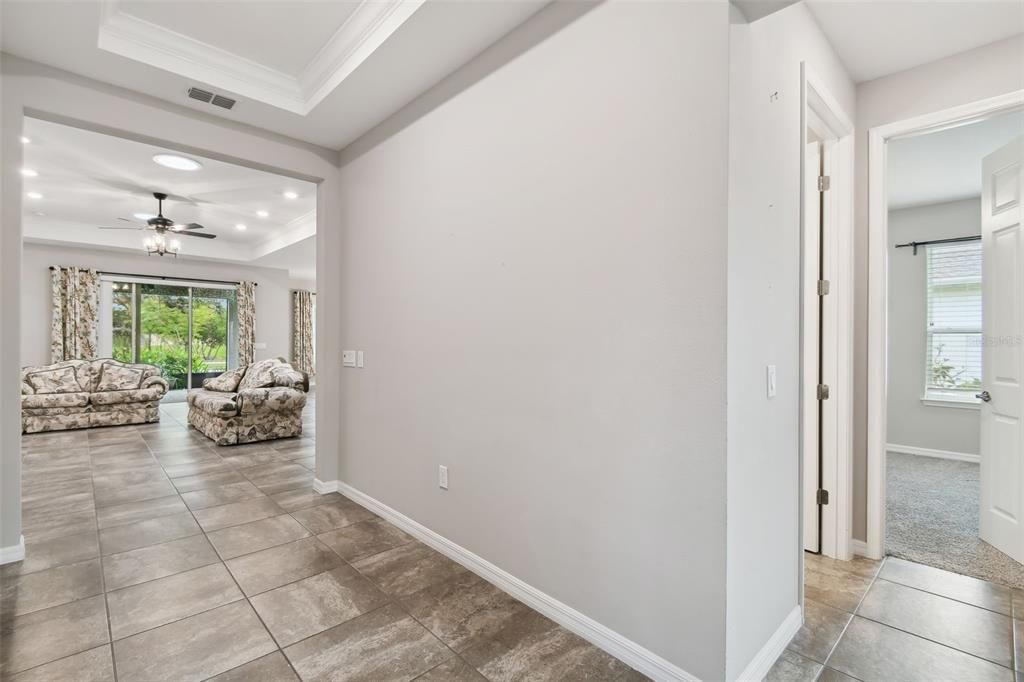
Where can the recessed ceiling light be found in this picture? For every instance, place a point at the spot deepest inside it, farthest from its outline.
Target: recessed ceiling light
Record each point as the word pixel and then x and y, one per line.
pixel 239 226
pixel 29 173
pixel 177 162
pixel 34 195
pixel 25 140
pixel 262 214
pixel 291 195
pixel 143 216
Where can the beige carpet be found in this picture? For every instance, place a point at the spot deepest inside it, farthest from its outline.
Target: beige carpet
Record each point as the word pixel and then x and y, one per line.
pixel 932 508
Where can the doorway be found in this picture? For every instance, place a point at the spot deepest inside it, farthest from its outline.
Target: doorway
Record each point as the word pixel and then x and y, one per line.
pixel 826 323
pixel 944 463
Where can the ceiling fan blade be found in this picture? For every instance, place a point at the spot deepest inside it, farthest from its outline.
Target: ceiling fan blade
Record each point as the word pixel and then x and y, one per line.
pixel 105 227
pixel 204 235
pixel 127 220
pixel 195 226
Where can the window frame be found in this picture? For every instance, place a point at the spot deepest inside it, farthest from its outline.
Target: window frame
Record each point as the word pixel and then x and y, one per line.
pixel 932 396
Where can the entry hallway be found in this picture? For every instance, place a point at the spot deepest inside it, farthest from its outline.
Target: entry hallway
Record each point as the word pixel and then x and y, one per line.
pixel 199 562
pixel 900 621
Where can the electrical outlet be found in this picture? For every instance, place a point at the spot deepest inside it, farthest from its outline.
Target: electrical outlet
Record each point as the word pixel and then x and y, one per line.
pixel 442 477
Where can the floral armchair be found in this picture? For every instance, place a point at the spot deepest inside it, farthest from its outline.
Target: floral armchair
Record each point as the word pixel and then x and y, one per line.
pixel 79 394
pixel 261 401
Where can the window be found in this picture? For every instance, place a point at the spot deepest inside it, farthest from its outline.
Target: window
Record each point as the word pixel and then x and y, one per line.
pixel 188 331
pixel 953 352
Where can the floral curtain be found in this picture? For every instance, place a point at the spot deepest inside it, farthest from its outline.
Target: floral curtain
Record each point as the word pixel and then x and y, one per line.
pixel 302 330
pixel 246 294
pixel 73 329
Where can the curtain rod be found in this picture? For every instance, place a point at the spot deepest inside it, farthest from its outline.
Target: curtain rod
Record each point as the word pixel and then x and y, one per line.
pixel 161 277
pixel 951 240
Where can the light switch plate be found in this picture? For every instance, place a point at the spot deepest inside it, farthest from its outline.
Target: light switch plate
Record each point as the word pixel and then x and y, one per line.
pixel 348 358
pixel 772 388
pixel 442 477
pixel 359 358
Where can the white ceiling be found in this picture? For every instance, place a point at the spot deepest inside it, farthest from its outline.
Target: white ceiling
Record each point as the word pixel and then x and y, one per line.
pixel 299 259
pixel 322 72
pixel 89 179
pixel 945 165
pixel 880 37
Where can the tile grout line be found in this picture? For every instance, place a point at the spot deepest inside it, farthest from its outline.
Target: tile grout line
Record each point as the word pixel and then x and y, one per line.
pixel 853 615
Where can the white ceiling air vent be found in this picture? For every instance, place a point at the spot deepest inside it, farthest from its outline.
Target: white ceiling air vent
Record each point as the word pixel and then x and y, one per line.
pixel 211 98
pixel 222 101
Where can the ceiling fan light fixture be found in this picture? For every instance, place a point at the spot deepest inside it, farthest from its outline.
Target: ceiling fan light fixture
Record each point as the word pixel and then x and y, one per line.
pixel 182 163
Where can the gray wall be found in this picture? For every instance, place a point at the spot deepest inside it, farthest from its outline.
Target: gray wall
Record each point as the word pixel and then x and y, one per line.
pixel 764 546
pixel 273 299
pixel 536 270
pixel 970 76
pixel 909 421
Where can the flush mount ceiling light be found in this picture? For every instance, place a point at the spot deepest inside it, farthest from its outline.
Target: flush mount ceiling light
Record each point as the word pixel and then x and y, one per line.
pixel 25 140
pixel 239 227
pixel 29 173
pixel 262 214
pixel 176 162
pixel 144 216
pixel 291 195
pixel 34 195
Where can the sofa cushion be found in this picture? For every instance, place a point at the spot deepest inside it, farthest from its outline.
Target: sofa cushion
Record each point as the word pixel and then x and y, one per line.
pixel 138 395
pixel 50 400
pixel 285 375
pixel 213 402
pixel 260 374
pixel 60 379
pixel 115 376
pixel 276 399
pixel 228 381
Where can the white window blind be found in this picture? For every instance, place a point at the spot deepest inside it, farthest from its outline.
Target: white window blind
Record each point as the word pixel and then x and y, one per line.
pixel 953 354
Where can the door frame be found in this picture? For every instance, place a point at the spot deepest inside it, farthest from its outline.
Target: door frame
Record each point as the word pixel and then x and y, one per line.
pixel 820 108
pixel 878 263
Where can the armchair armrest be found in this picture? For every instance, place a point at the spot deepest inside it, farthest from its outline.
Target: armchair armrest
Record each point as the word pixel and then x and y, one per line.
pixel 276 398
pixel 26 388
pixel 156 381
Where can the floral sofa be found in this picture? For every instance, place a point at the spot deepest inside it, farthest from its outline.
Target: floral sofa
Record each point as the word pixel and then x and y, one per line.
pixel 79 394
pixel 261 401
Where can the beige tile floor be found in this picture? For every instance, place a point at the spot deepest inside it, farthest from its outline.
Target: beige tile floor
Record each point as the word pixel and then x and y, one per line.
pixel 154 555
pixel 901 621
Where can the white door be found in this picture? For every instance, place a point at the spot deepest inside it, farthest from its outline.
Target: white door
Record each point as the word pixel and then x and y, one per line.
pixel 811 345
pixel 1002 409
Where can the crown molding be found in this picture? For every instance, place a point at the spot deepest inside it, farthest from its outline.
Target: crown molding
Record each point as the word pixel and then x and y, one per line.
pixel 294 231
pixel 365 30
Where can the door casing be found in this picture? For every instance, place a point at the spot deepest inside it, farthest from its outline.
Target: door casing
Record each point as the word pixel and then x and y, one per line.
pixel 878 232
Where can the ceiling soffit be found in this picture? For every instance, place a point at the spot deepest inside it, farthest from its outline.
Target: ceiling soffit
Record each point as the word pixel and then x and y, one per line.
pixel 366 29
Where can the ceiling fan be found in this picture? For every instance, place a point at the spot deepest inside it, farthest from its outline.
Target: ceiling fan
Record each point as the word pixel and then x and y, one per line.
pixel 162 225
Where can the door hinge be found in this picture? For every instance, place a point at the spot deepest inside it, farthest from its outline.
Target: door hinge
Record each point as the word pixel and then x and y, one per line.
pixel 822 287
pixel 824 182
pixel 822 391
pixel 821 497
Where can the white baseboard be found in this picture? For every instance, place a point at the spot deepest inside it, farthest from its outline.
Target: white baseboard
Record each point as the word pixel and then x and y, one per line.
pixel 763 661
pixel 324 487
pixel 859 548
pixel 929 452
pixel 8 555
pixel 633 654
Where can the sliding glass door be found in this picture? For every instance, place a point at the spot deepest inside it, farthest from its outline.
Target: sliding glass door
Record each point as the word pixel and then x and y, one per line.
pixel 189 332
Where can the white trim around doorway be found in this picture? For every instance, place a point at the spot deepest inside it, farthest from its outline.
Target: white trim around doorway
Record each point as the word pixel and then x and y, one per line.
pixel 822 109
pixel 878 231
